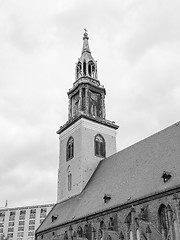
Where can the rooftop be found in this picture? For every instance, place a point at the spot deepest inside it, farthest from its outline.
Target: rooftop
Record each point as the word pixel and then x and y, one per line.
pixel 129 175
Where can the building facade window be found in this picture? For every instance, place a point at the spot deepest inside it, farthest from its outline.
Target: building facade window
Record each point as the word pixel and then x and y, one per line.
pixel 12 213
pixel 30 233
pixel 84 68
pixel 31 222
pixel 20 229
pixel 43 212
pixel 100 146
pixel 2 216
pixel 79 70
pixel 91 69
pixel 11 224
pixel 21 222
pixel 32 214
pixel 70 149
pixel 21 217
pixel 32 227
pixel 33 211
pixel 10 235
pixel 69 178
pixel 20 234
pixel 79 232
pixel 164 215
pixel 22 214
pixel 69 181
pixel 12 216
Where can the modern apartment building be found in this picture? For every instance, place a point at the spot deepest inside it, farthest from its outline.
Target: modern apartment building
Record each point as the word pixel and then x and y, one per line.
pixel 20 223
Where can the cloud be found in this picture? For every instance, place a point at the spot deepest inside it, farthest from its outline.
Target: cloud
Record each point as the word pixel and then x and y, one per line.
pixel 137 47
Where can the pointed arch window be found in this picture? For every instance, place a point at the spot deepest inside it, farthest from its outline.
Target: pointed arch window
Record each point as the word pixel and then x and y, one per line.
pixel 69 181
pixel 84 68
pixel 79 70
pixel 69 175
pixel 100 146
pixel 164 219
pixel 91 69
pixel 80 232
pixel 70 149
pixel 102 225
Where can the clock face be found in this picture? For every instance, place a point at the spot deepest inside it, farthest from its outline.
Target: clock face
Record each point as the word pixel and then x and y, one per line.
pixel 95 104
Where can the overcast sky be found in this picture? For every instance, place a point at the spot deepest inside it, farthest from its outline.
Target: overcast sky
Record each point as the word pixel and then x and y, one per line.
pixel 137 46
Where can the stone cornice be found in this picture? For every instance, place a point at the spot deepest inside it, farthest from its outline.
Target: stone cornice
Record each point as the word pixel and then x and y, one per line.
pixel 105 122
pixel 86 80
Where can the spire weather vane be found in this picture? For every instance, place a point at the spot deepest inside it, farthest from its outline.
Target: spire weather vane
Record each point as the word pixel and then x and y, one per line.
pixel 85 30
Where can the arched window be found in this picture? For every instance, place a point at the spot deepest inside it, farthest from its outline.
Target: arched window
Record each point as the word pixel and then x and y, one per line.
pixel 84 68
pixel 69 181
pixel 100 150
pixel 111 224
pixel 70 148
pixel 80 232
pixel 102 225
pixel 164 219
pixel 79 70
pixel 91 69
pixel 65 235
pixel 69 176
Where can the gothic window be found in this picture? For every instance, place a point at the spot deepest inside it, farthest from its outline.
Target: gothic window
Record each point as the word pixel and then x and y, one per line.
pixel 100 234
pixel 69 181
pixel 65 235
pixel 164 219
pixel 85 231
pixel 79 70
pixel 93 110
pixel 75 105
pixel 100 150
pixel 84 68
pixel 91 69
pixel 111 224
pixel 102 225
pixel 88 231
pixel 80 232
pixel 70 149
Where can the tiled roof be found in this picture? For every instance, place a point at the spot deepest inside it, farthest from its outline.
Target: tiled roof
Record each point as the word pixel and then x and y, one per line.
pixel 130 174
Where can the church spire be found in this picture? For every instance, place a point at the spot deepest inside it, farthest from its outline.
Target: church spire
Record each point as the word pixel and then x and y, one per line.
pixel 87 96
pixel 85 43
pixel 86 66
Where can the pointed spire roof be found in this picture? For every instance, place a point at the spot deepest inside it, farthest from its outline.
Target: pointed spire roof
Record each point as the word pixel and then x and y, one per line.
pixel 85 43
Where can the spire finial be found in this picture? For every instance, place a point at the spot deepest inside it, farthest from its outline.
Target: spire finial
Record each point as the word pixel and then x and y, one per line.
pixel 85 34
pixel 85 43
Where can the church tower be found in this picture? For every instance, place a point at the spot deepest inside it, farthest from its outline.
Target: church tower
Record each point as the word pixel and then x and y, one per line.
pixel 87 137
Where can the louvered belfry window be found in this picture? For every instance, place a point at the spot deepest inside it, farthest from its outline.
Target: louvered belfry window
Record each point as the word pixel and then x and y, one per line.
pixel 100 150
pixel 70 149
